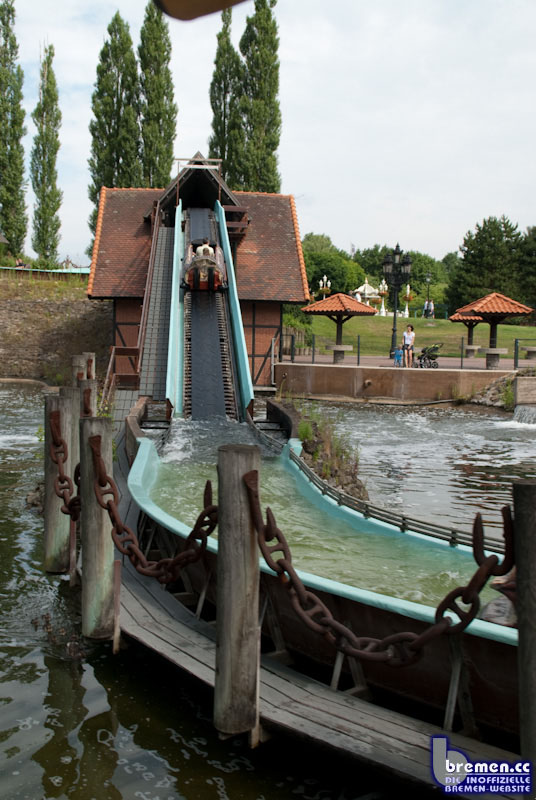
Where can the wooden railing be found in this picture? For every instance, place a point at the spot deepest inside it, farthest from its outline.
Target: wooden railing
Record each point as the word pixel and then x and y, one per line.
pixel 148 285
pixel 114 379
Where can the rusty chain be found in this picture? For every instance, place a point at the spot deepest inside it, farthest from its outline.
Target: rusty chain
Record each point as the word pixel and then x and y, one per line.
pixel 63 485
pixel 166 570
pixel 399 649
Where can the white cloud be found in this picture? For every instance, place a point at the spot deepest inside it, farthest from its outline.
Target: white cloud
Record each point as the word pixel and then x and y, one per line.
pixel 402 122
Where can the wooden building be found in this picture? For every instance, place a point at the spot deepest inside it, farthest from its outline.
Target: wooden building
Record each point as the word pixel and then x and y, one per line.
pixel 265 240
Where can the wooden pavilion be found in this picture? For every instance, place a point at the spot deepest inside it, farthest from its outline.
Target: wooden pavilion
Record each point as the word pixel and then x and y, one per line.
pixel 339 308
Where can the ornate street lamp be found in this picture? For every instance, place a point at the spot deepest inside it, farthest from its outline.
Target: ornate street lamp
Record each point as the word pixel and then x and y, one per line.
pixel 428 279
pixel 325 286
pixel 396 270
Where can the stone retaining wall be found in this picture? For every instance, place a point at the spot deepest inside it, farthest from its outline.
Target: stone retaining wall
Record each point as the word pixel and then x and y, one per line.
pixel 386 382
pixel 39 337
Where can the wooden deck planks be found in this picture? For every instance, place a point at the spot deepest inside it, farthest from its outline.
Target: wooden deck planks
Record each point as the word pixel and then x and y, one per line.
pixel 289 701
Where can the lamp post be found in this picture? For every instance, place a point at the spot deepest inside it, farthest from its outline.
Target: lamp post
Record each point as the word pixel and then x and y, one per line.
pixel 396 270
pixel 428 279
pixel 325 286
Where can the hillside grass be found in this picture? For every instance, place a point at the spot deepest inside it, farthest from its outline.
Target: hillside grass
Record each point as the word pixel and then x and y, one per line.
pixel 20 286
pixel 375 334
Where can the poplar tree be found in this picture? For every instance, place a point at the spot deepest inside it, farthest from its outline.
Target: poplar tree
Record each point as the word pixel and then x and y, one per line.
pixel 115 128
pixel 158 109
pixel 47 119
pixel 227 140
pixel 13 218
pixel 259 105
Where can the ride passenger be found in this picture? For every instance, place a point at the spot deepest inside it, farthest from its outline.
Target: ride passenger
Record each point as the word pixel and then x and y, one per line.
pixel 205 249
pixel 408 339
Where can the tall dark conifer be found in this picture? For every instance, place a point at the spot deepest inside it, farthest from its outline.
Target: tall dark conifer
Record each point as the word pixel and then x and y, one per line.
pixel 115 128
pixel 227 140
pixel 259 105
pixel 47 119
pixel 158 109
pixel 13 218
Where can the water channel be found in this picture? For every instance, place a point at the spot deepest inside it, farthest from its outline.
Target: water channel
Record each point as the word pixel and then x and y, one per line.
pixel 80 722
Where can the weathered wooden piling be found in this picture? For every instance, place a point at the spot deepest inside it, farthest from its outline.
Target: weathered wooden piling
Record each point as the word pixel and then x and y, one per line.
pixel 71 395
pixel 79 369
pixel 57 524
pixel 525 556
pixel 236 690
pixel 96 540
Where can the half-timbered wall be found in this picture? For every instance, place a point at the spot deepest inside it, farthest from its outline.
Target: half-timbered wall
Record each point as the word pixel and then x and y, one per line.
pixel 262 323
pixel 127 315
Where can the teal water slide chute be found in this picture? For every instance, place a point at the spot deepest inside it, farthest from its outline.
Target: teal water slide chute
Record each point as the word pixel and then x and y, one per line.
pixel 175 364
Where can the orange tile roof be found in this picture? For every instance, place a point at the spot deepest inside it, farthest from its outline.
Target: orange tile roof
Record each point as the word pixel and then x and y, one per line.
pixel 495 304
pixel 457 317
pixel 339 304
pixel 269 260
pixel 122 243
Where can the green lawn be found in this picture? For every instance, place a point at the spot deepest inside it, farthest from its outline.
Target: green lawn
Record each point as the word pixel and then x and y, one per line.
pixel 375 334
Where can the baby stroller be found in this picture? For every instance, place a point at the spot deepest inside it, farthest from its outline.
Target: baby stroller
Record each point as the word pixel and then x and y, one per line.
pixel 428 357
pixel 398 357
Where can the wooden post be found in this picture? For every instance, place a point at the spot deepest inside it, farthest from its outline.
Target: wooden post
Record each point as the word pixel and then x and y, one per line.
pixel 236 690
pixel 88 398
pixel 71 395
pixel 79 369
pixel 525 550
pixel 96 539
pixel 57 524
pixel 89 359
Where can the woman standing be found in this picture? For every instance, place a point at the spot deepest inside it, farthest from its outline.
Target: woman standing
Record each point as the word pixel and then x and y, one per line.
pixel 408 341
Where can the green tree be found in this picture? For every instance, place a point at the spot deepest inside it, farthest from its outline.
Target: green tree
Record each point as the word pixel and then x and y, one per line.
pixel 344 274
pixel 157 106
pixel 44 175
pixel 527 269
pixel 450 262
pixel 489 263
pixel 317 243
pixel 259 103
pixel 371 260
pixel 227 140
pixel 13 218
pixel 115 130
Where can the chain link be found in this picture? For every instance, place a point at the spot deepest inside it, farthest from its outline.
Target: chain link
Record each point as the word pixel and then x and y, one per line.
pixel 399 649
pixel 166 570
pixel 63 485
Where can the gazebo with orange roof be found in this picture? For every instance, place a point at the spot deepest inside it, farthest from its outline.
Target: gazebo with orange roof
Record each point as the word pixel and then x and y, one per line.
pixel 470 323
pixel 340 308
pixel 494 308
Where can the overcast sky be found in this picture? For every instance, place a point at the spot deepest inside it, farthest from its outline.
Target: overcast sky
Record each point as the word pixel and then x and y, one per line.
pixel 403 120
